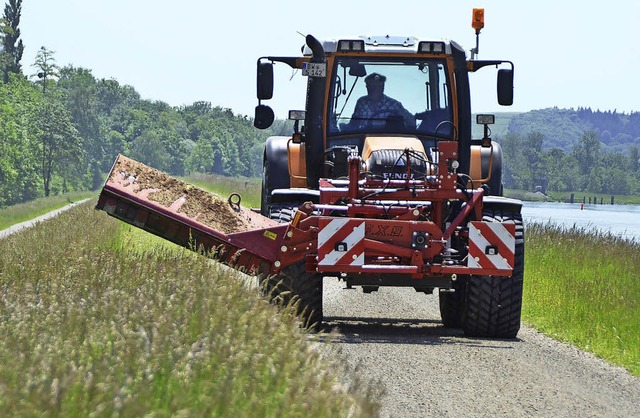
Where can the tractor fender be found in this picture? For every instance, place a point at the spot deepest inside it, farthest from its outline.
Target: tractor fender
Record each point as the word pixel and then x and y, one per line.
pixel 481 161
pixel 495 182
pixel 506 203
pixel 276 164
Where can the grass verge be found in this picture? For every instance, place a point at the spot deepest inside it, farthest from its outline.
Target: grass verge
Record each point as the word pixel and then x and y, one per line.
pixel 248 188
pixel 582 287
pixel 22 212
pixel 95 321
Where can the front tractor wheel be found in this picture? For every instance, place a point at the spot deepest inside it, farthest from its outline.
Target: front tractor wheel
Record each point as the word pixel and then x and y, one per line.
pixel 494 304
pixel 295 286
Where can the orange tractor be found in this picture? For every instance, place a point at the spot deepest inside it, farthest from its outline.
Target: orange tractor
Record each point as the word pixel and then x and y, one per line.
pixel 380 184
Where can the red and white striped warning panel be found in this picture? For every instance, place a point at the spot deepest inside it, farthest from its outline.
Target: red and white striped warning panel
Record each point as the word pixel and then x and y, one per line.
pixel 341 242
pixel 491 245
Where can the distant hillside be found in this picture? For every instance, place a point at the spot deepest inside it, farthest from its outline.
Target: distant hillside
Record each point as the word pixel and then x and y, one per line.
pixel 499 129
pixel 562 128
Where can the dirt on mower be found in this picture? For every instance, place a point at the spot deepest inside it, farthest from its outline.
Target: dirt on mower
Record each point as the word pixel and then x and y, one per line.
pixel 205 207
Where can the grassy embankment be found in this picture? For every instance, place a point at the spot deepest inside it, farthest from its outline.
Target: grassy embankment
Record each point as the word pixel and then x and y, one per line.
pixel 99 318
pixel 26 211
pixel 582 287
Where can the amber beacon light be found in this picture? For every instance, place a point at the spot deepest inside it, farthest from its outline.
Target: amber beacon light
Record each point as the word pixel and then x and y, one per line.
pixel 477 21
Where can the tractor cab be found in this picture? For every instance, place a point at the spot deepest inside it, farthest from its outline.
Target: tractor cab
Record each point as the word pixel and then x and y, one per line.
pixel 375 97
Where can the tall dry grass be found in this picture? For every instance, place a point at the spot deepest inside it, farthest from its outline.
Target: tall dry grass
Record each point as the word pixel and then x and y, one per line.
pixel 96 322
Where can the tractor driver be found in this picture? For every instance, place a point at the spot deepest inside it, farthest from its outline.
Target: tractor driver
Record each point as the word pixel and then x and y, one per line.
pixel 377 109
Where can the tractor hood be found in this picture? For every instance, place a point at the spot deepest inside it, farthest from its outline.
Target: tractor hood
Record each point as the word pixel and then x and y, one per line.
pixel 395 157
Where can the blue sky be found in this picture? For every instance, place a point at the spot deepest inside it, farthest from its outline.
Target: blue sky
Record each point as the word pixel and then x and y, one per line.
pixel 566 54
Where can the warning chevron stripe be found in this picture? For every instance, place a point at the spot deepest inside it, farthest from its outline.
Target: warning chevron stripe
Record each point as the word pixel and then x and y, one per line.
pixel 341 242
pixel 484 235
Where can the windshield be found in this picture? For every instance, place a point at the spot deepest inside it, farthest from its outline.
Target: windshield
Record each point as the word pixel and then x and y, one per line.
pixel 390 96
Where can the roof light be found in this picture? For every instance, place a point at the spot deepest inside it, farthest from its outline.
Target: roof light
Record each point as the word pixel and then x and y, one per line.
pixel 424 47
pixel 433 47
pixel 345 45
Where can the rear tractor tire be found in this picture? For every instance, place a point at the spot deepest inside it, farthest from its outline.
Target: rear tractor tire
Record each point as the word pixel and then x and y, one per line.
pixel 493 303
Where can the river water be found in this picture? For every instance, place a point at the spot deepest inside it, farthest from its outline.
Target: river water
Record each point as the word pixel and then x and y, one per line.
pixel 620 220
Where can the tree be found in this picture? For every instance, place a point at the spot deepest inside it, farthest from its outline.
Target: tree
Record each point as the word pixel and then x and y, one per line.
pixel 61 150
pixel 19 163
pixel 634 155
pixel 11 44
pixel 587 151
pixel 46 66
pixel 79 87
pixel 150 150
pixel 202 158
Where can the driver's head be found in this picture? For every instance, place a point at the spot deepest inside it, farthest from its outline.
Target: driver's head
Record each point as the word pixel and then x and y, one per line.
pixel 375 86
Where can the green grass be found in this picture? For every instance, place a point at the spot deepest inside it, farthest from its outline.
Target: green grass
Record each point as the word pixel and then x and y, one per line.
pixel 248 188
pixel 100 319
pixel 12 215
pixel 582 287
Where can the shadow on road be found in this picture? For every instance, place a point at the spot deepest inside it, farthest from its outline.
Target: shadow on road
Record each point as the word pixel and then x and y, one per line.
pixel 347 330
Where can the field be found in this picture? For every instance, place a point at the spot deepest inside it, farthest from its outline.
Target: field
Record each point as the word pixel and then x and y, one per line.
pixel 100 319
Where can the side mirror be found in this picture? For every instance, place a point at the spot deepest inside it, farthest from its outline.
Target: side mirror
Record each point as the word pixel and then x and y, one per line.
pixel 264 117
pixel 505 87
pixel 265 80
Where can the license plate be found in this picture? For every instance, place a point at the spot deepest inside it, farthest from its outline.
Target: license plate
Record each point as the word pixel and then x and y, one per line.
pixel 314 69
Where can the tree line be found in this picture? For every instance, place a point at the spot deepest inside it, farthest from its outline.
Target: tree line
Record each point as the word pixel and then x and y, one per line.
pixel 62 132
pixel 61 127
pixel 562 128
pixel 586 167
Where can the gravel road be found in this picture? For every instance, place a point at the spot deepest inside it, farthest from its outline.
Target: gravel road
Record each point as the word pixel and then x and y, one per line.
pixel 28 224
pixel 396 338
